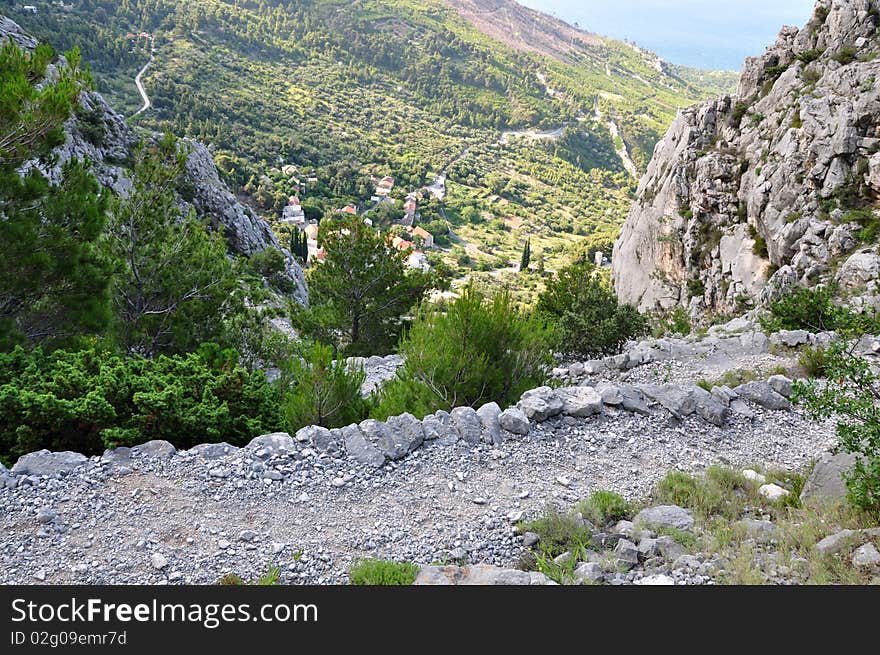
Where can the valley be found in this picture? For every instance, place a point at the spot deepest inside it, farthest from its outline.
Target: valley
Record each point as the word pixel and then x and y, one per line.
pixel 398 89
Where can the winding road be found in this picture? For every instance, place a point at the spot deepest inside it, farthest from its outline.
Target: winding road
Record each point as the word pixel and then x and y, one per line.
pixel 139 83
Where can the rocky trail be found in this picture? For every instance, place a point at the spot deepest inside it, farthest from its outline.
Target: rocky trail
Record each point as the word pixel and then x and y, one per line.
pixel 449 489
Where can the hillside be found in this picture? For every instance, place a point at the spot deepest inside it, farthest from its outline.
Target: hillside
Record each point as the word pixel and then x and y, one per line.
pixel 344 91
pixel 774 186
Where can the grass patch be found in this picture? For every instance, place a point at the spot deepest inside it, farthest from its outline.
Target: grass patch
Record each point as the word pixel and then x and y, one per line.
pixel 376 572
pixel 558 533
pixel 605 507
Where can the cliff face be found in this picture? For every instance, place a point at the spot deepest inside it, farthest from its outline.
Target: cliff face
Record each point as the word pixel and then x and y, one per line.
pixel 99 135
pixel 774 186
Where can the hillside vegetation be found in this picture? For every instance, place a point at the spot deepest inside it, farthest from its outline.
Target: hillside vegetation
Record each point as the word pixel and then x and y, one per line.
pixel 346 90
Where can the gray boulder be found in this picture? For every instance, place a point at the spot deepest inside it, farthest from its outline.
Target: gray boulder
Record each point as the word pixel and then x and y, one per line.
pixel 664 516
pixel 834 543
pixel 515 421
pixel 610 393
pixel 669 548
pixel 489 415
pixel 386 440
pixel 763 395
pixel 540 404
pixel 826 483
pixel 589 572
pixel 627 553
pixel 44 462
pixel 407 432
pixel 357 446
pixel 320 438
pixel 580 402
pixel 709 409
pixel 450 433
pixel 633 400
pixel 680 400
pixel 117 456
pixel 866 557
pixel 468 424
pixel 213 450
pixel 781 385
pixel 277 443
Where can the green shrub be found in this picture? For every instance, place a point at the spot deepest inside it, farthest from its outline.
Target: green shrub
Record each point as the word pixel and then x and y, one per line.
pixel 604 507
pixel 588 318
pixel 558 533
pixel 808 56
pixel 88 400
pixel 814 310
pixel 373 572
pixel 814 361
pixel 847 55
pixel 852 398
pixel 676 322
pixel 318 390
pixel 480 350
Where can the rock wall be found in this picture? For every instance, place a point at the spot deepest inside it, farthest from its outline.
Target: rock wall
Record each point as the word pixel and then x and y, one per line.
pixel 110 156
pixel 748 194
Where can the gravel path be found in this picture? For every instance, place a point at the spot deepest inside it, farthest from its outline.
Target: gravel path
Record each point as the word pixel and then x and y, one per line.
pixel 154 520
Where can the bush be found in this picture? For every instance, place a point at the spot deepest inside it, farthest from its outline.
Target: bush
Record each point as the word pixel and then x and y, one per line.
pixel 589 321
pixel 318 390
pixel 374 572
pixel 853 398
pixel 604 507
pixel 677 322
pixel 806 309
pixel 814 361
pixel 480 350
pixel 558 533
pixel 90 400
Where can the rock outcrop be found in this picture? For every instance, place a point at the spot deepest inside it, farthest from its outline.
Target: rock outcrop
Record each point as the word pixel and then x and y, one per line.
pixel 98 134
pixel 749 194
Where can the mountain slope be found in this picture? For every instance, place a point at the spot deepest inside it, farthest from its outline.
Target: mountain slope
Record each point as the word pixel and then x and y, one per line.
pixel 100 136
pixel 773 186
pixel 346 90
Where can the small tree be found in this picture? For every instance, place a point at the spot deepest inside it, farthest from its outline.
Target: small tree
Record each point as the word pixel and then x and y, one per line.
pixel 480 350
pixel 851 393
pixel 526 256
pixel 361 294
pixel 585 310
pixel 321 391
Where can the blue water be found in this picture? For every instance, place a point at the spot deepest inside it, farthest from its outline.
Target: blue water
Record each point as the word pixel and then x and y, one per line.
pixel 709 34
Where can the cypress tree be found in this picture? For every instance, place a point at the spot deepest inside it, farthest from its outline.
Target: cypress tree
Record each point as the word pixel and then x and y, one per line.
pixel 526 256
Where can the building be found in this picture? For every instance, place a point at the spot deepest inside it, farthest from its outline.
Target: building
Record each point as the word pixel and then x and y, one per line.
pixel 385 186
pixel 426 237
pixel 293 213
pixel 418 259
pixel 29 9
pixel 349 209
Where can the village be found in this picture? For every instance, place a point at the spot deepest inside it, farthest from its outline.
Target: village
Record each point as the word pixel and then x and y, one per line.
pixel 403 234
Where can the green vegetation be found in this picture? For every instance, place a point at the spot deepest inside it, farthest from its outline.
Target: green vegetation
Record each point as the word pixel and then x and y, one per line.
pixel 481 349
pixel 345 91
pixel 92 399
pixel 675 322
pixel 558 533
pixel 605 507
pixel 53 272
pixel 319 390
pixel 175 286
pixel 374 572
pixel 853 398
pixel 589 321
pixel 359 296
pixel 815 310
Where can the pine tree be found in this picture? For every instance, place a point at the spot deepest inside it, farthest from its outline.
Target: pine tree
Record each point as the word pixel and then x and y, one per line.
pixel 53 274
pixel 177 284
pixel 359 296
pixel 526 256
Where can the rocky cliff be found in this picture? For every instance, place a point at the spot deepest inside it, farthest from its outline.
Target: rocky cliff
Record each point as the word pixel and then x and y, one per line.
pixel 776 185
pixel 99 135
